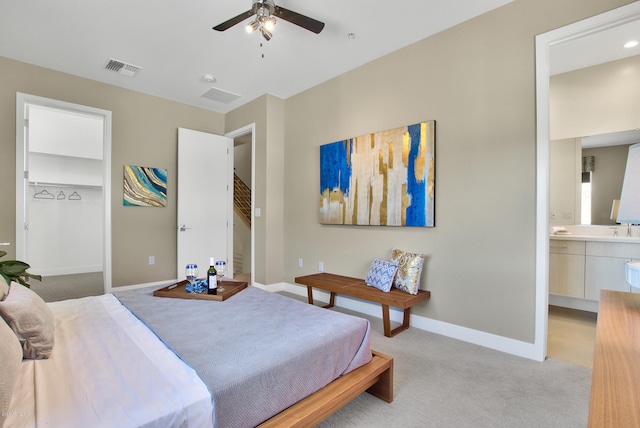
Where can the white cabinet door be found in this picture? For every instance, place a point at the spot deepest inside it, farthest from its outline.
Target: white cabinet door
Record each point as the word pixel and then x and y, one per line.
pixel 566 274
pixel 604 273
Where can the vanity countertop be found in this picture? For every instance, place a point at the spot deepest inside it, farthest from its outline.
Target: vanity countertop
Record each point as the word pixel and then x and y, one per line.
pixel 601 238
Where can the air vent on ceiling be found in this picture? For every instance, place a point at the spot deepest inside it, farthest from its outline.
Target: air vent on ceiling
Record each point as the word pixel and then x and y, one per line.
pixel 123 68
pixel 220 96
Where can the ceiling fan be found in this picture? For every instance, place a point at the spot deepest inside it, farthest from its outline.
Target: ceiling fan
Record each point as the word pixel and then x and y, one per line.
pixel 266 12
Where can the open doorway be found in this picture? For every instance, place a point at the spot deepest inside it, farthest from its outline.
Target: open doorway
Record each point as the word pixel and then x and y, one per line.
pixel 62 196
pixel 544 44
pixel 244 183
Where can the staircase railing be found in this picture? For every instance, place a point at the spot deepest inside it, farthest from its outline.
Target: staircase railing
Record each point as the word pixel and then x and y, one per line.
pixel 242 200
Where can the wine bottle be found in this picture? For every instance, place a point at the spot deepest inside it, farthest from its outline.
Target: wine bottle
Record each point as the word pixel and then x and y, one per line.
pixel 212 278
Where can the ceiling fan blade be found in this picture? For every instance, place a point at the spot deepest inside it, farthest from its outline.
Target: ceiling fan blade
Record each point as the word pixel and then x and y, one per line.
pixel 300 20
pixel 233 21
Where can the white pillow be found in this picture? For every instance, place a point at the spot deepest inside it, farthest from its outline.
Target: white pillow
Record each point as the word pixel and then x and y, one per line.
pixel 11 358
pixel 4 288
pixel 30 319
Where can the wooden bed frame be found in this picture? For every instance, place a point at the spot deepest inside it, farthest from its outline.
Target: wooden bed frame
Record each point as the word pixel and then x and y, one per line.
pixel 375 377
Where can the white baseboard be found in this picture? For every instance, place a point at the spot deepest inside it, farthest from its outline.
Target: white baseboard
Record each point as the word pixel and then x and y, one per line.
pixel 573 303
pixel 488 340
pixel 172 281
pixel 135 286
pixel 69 270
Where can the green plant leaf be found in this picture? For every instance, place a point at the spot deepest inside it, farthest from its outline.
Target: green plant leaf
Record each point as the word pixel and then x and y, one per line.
pixel 15 270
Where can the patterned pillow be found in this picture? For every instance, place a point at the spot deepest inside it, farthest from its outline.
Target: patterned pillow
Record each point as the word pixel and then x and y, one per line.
pixel 381 274
pixel 409 269
pixel 30 319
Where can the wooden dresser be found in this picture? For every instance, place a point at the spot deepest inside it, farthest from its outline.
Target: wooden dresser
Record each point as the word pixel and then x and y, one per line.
pixel 615 384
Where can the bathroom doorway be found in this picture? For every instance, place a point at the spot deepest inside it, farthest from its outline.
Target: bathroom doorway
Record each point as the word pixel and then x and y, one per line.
pixel 564 36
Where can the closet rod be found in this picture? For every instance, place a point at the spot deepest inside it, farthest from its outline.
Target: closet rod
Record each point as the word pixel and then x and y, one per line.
pixel 70 186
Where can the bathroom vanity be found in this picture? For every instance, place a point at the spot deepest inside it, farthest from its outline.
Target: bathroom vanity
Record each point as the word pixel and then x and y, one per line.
pixel 582 265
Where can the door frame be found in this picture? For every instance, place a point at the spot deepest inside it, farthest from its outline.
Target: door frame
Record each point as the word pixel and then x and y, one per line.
pixel 544 41
pixel 22 182
pixel 251 128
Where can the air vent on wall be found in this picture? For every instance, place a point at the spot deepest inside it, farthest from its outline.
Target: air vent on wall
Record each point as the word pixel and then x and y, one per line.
pixel 123 68
pixel 220 96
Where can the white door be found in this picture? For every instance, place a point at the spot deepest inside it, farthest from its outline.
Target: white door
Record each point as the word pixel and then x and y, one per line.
pixel 204 200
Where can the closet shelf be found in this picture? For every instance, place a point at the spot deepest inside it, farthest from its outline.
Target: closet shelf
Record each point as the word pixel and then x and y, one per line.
pixel 65 185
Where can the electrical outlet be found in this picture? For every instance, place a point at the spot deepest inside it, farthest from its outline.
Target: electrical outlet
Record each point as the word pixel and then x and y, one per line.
pixel 320 267
pixel 299 263
pixel 152 260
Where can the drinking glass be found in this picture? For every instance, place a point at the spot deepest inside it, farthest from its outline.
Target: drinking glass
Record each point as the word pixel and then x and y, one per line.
pixel 192 274
pixel 220 268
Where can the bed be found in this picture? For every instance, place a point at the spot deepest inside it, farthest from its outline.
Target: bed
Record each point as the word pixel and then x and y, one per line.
pixel 257 358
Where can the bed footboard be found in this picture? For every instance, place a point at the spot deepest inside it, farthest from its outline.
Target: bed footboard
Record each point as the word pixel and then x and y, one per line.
pixel 375 377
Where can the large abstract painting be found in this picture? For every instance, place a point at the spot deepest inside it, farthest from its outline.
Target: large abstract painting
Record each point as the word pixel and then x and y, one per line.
pixel 144 186
pixel 384 179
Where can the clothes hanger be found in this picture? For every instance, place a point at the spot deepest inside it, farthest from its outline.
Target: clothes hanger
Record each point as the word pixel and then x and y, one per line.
pixel 61 195
pixel 43 194
pixel 74 196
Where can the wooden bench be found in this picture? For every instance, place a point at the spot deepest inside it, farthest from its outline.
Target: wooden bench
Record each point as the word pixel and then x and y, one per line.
pixel 355 287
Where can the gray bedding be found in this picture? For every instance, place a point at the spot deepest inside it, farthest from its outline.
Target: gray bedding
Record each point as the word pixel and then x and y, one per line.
pixel 257 352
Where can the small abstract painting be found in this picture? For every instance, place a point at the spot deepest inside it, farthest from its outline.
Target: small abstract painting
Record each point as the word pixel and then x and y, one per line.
pixel 144 186
pixel 382 179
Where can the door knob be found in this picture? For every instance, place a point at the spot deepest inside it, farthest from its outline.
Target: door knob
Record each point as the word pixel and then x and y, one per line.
pixel 183 227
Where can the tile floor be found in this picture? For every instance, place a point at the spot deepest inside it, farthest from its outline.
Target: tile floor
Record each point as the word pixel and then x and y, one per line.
pixel 572 335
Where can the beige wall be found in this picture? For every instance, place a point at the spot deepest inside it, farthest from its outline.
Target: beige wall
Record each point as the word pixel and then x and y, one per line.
pixel 596 100
pixel 144 133
pixel 477 80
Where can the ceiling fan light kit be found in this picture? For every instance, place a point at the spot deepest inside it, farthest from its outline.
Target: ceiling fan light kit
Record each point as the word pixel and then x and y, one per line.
pixel 266 33
pixel 265 12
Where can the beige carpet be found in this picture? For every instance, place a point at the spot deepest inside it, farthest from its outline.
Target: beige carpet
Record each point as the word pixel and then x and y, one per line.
pixel 442 382
pixel 62 287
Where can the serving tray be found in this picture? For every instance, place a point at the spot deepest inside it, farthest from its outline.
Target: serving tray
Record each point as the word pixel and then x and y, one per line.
pixel 179 291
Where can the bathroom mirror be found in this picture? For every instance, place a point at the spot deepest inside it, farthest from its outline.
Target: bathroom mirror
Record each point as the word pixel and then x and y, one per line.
pixel 592 192
pixel 609 152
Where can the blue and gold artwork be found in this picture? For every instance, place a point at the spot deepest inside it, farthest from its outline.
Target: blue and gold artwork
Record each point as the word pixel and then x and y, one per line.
pixel 384 179
pixel 144 186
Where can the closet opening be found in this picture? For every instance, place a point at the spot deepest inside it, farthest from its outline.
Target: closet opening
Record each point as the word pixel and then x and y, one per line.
pixel 63 194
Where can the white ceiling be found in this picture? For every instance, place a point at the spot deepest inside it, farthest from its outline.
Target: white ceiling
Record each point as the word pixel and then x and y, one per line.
pixel 631 136
pixel 175 45
pixel 595 48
